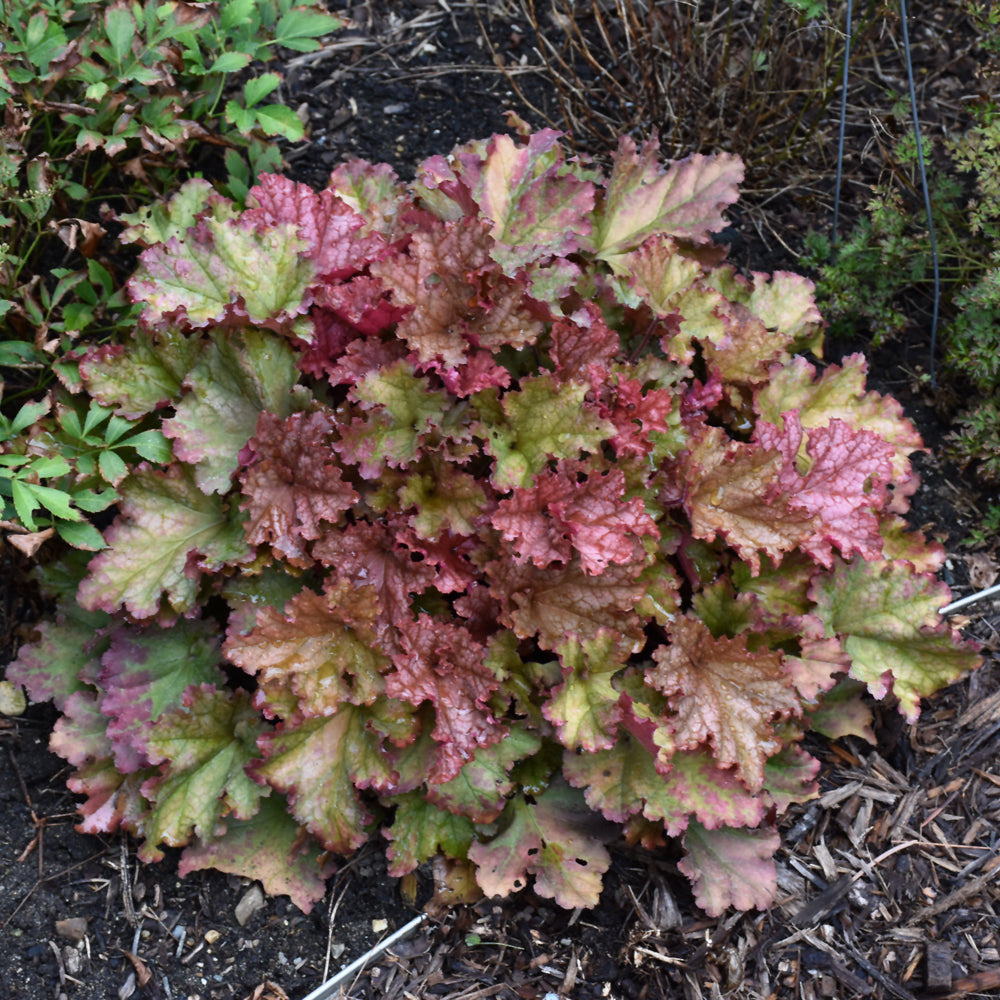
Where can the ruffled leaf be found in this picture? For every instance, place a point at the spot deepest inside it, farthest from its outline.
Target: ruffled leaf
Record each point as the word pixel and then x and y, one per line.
pixel 166 532
pixel 205 747
pixel 322 648
pixel 556 840
pixel 236 379
pixel 270 847
pixel 730 867
pixel 886 618
pixel 725 695
pixel 292 484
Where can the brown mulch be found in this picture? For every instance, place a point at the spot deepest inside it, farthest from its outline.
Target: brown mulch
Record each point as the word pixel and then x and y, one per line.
pixel 889 880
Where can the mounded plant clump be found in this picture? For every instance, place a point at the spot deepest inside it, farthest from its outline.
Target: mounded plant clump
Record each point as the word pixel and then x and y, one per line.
pixel 502 517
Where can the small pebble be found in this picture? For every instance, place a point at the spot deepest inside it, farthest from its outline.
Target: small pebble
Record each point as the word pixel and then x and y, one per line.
pixel 212 936
pixel 380 925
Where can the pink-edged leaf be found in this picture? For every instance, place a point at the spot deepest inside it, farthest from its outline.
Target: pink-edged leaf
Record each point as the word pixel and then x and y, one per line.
pixel 270 847
pixel 204 748
pixel 215 274
pixel 321 764
pixel 886 618
pixel 443 664
pixel 65 658
pixel 162 220
pixel 627 780
pixel 559 601
pixel 480 788
pixel 114 801
pixel 539 204
pixel 818 664
pixel 557 840
pixel 145 673
pixel 369 555
pixel 729 483
pixel 584 708
pixel 166 532
pixel 327 225
pixel 730 867
pixel 420 830
pixel 839 393
pixel 843 488
pixel 686 199
pixel 724 695
pixel 292 484
pixel 659 274
pixel 237 378
pixel 80 733
pixel 322 649
pixel 372 189
pixel 143 375
pixel 789 778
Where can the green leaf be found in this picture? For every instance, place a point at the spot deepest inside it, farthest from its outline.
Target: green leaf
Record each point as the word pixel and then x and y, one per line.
pixel 55 500
pixel 269 846
pixel 887 619
pixel 255 90
pixel 204 748
pixel 27 415
pixel 584 708
pixel 544 419
pixel 25 503
pixel 112 466
pixel 166 529
pixel 81 535
pixel 420 830
pixel 276 119
pixel 230 62
pixel 151 445
pixel 243 120
pixel 121 29
pixel 238 376
pixel 237 12
pixel 299 29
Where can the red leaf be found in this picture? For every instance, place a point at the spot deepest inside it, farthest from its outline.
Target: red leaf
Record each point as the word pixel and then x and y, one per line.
pixel 292 485
pixel 327 224
pixel 442 276
pixel 444 665
pixel 583 346
pixel 368 554
pixel 844 487
pixel 561 513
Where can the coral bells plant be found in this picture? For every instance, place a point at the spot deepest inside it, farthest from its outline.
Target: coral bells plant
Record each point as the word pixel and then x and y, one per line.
pixel 502 519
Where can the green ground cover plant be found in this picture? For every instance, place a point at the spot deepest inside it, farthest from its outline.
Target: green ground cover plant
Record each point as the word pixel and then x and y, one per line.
pixel 109 106
pixel 502 516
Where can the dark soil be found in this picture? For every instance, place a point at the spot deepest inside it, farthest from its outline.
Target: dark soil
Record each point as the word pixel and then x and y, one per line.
pixel 888 881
